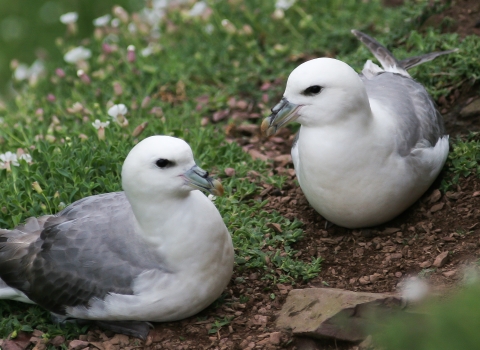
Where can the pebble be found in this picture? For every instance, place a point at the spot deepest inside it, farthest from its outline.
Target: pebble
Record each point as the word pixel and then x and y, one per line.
pixel 275 338
pixel 229 172
pixel 425 264
pixel 57 341
pixel 449 273
pixel 441 259
pixel 375 277
pixel 77 345
pixel 435 196
pixel 472 109
pixel 437 207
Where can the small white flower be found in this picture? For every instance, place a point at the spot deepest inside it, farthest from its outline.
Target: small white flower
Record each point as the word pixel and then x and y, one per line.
pixel 229 27
pixel 69 17
pixel 284 4
pixel 115 110
pixel 98 124
pixel 209 28
pixel 146 51
pixel 112 38
pixel 26 157
pixel 152 17
pixel 8 158
pixel 132 28
pixel 198 9
pixel 21 72
pixel 160 4
pixel 102 21
pixel 36 68
pixel 77 54
pixel 212 197
pixel 115 23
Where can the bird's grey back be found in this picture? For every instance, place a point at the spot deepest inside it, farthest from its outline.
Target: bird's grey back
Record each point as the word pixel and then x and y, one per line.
pixel 88 250
pixel 417 118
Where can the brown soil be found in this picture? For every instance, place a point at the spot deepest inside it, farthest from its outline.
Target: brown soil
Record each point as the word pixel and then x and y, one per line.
pixel 463 18
pixel 353 259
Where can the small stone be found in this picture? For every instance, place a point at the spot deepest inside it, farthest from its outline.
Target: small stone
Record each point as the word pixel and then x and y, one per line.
pixel 398 274
pixel 274 226
pixel 121 339
pixel 37 333
pixel 441 259
pixel 77 345
pixel 275 338
pixel 257 155
pixel 390 230
pixel 425 264
pixel 57 341
pixel 437 207
pixel 108 345
pixel 435 196
pixel 220 115
pixel 449 273
pixel 34 339
pixel 40 345
pixel 453 195
pixel 375 277
pixel 229 172
pixel 260 319
pixel 364 280
pixel 283 158
pixel 471 109
pixel 100 346
pixel 396 256
pixel 476 194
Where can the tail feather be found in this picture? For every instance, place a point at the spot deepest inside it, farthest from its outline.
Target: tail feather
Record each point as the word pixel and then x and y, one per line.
pixel 388 61
pixel 381 53
pixel 411 62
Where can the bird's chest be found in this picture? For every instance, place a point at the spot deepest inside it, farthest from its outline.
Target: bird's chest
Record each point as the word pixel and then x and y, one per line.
pixel 340 166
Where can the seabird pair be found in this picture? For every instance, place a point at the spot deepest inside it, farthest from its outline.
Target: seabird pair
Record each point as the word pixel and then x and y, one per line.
pixel 368 147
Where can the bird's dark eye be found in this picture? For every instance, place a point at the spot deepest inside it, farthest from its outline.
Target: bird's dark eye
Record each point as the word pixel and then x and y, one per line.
pixel 163 163
pixel 312 90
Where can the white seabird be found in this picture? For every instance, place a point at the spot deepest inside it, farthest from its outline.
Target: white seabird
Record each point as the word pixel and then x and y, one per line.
pixel 369 144
pixel 159 251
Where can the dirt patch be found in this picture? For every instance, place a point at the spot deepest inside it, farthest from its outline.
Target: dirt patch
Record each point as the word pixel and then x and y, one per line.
pixel 463 18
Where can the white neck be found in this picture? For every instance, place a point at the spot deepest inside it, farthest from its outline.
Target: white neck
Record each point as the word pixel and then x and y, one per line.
pixel 175 228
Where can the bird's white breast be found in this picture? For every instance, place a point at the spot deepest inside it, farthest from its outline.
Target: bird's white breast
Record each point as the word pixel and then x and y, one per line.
pixel 355 178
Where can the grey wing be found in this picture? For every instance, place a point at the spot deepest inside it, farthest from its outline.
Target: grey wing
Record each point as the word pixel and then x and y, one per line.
pixel 418 121
pixel 93 250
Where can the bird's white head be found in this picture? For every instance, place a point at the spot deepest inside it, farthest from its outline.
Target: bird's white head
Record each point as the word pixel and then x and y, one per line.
pixel 164 165
pixel 319 92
